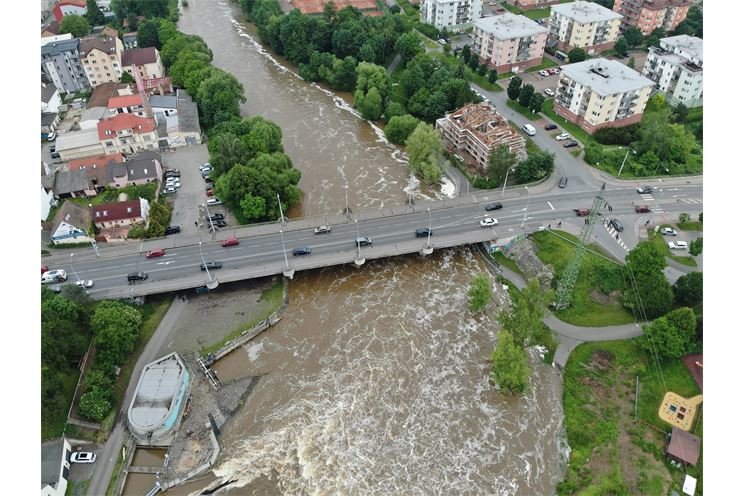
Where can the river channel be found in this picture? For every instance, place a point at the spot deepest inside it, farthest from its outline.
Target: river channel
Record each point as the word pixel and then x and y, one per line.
pixel 377 379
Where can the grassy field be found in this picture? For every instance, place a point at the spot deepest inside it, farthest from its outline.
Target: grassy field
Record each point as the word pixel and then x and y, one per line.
pixel 691 226
pixel 577 132
pixel 55 426
pixel 501 259
pixel 482 81
pixel 597 277
pixel 545 64
pixel 514 105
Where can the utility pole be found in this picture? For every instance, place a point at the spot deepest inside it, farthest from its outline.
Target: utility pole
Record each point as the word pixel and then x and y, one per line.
pixel 284 251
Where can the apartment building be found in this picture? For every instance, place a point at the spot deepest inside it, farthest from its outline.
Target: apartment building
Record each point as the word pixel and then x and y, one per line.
pixel 127 133
pixel 102 59
pixel 69 7
pixel 600 93
pixel 60 63
pixel 451 14
pixel 145 61
pixel 677 69
pixel 586 25
pixel 475 131
pixel 648 15
pixel 509 42
pixel 532 4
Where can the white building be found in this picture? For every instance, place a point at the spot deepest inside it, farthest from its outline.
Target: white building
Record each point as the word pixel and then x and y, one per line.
pixel 55 467
pixel 677 68
pixel 586 25
pixel 452 14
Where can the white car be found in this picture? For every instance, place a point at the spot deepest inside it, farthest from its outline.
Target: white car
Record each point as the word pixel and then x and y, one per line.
pixel 549 91
pixel 83 457
pixel 169 190
pixel 544 73
pixel 84 284
pixel 492 4
pixel 668 231
pixel 554 70
pixel 173 184
pixel 488 222
pixel 442 42
pixel 205 165
pixel 678 245
pixel 563 136
pixel 214 201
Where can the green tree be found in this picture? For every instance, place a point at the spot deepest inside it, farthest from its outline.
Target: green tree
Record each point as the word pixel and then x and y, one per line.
pixel 369 105
pixel 634 37
pixel 654 37
pixel 253 208
pixel 689 289
pixel 219 98
pixel 622 47
pixel 424 149
pixel 577 55
pixel 492 77
pixel 649 296
pixel 52 401
pixel 594 153
pixel 479 293
pixel 95 404
pixel 466 54
pixel 701 217
pixel 392 110
pixel 400 128
pixel 76 25
pixel 631 63
pixel 127 78
pixel 526 94
pixel 693 25
pixel 646 258
pixel 147 34
pixel 510 364
pixel 680 113
pixel 513 90
pixel 373 76
pixel 671 336
pixel 533 168
pixel 524 320
pixel 93 14
pixel 409 46
pixel 501 160
pixel 697 246
pixel 536 102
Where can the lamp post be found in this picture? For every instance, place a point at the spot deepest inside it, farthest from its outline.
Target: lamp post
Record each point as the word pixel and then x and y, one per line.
pixel 525 216
pixel 505 179
pixel 284 251
pixel 209 218
pixel 658 168
pixel 281 215
pixel 204 263
pixel 73 268
pixel 624 161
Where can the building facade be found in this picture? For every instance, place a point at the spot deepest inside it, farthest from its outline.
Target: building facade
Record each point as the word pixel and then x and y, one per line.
pixel 60 62
pixel 509 42
pixel 600 93
pixel 451 14
pixel 677 69
pixel 476 131
pixel 55 467
pixel 145 61
pixel 648 15
pixel 120 214
pixel 102 59
pixel 127 133
pixel 585 25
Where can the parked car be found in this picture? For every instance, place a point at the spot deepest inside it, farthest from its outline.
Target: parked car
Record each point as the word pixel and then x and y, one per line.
pixel 173 230
pixel 52 149
pixel 219 223
pixel 216 217
pixel 205 165
pixel 544 73
pixel 170 190
pixel 555 70
pixel 617 224
pixel 51 136
pixel 668 231
pixel 214 201
pixel 211 265
pixel 563 136
pixel 230 242
pixel 492 206
pixel 563 182
pixel 55 155
pixel 488 222
pixel 643 190
pixel 571 144
pixel 362 241
pixel 549 92
pixel 299 252
pixel 83 457
pixel 322 229
pixel 159 252
pixel 84 284
pixel 678 245
pixel 442 41
pixel 423 232
pixel 641 209
pixel 550 127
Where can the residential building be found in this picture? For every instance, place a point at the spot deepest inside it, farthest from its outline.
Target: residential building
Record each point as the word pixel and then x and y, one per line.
pixel 50 99
pixel 143 168
pixel 178 120
pixel 600 93
pixel 96 170
pixel 47 197
pixel 70 224
pixel 129 40
pixel 76 144
pixel 509 42
pixel 49 122
pixel 67 7
pixel 683 447
pixel 60 62
pixel 476 130
pixel 367 7
pixel 159 86
pixel 73 184
pixel 145 61
pixel 648 15
pixel 677 68
pixel 105 91
pixel 532 4
pixel 120 214
pixel 51 29
pixel 127 133
pixel 55 467
pixel 585 25
pixel 126 104
pixel 102 59
pixel 452 14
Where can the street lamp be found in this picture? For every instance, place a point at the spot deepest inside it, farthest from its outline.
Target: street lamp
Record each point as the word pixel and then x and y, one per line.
pixel 505 180
pixel 204 263
pixel 281 215
pixel 658 167
pixel 73 268
pixel 624 161
pixel 209 217
pixel 284 251
pixel 525 217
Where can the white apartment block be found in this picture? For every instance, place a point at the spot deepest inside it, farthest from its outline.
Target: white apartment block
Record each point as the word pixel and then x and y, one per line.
pixel 677 68
pixel 451 14
pixel 586 25
pixel 600 93
pixel 509 42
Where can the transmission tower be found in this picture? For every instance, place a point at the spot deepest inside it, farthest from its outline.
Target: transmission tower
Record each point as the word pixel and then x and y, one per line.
pixel 569 278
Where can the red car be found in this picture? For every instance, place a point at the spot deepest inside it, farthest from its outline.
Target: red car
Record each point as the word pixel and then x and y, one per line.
pixel 155 253
pixel 44 268
pixel 642 209
pixel 230 242
pixel 210 192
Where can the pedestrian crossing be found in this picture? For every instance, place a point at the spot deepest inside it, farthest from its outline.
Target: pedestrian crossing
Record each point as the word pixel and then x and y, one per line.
pixel 691 201
pixel 615 235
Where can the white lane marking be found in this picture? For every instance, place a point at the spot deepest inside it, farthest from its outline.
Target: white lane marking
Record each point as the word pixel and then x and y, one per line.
pixel 166 263
pixel 549 204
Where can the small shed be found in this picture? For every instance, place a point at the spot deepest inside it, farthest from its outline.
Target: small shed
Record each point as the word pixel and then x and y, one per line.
pixel 683 446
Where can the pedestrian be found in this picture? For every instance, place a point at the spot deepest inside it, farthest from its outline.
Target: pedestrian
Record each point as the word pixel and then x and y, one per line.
pixel 196 224
pixel 610 208
pixel 549 226
pixel 616 236
pixel 559 223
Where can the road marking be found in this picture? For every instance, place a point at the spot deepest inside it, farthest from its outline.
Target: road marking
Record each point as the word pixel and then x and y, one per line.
pixel 549 204
pixel 166 263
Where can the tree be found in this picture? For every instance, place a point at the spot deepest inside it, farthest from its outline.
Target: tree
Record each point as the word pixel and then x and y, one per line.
pixel 392 110
pixel 654 37
pixel 594 153
pixel 671 336
pixel 127 78
pixel 533 168
pixel 524 320
pixel 93 14
pixel 500 162
pixel 526 93
pixel 400 128
pixel 683 217
pixel 510 364
pixel 649 296
pixel 466 54
pixel 424 149
pixel 492 77
pixel 693 25
pixel 645 258
pixel 701 217
pixel 95 404
pixel 409 46
pixel 219 97
pixel 513 90
pixel 631 63
pixel 147 34
pixel 577 55
pixel 689 289
pixel 634 37
pixel 479 293
pixel 74 24
pixel 680 113
pixel 369 105
pixel 536 102
pixel 622 47
pixel 697 246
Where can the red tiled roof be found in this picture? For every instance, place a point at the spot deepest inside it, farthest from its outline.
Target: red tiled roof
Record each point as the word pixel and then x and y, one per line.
pixel 139 56
pixel 116 211
pixel 695 364
pixel 125 101
pixel 121 122
pixel 95 162
pixel 79 3
pixel 368 7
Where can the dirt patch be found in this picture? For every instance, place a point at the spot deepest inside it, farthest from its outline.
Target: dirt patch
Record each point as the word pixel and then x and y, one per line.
pixel 606 299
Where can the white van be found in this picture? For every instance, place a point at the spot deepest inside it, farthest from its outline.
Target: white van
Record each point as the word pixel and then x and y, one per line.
pixel 53 276
pixel 529 130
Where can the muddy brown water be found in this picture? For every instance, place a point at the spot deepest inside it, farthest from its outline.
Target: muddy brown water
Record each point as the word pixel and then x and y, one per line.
pixel 138 484
pixel 377 379
pixel 146 457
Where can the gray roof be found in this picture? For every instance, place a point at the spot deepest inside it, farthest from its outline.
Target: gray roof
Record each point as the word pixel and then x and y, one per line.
pixel 93 114
pixel 47 181
pixel 51 461
pixel 690 45
pixel 47 92
pixel 584 12
pixel 76 139
pixel 188 115
pixel 73 214
pixel 47 119
pixel 156 391
pixel 142 166
pixel 71 181
pixel 60 46
pixel 116 170
pixel 168 101
pixel 605 77
pixel 508 25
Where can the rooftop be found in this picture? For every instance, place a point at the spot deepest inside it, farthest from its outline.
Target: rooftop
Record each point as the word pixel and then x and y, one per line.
pixel 125 101
pixel 584 12
pixel 139 56
pixel 605 77
pixel 73 214
pixel 508 25
pixel 142 165
pixel 58 47
pixel 188 115
pixel 691 46
pixel 684 446
pixel 76 139
pixel 106 44
pixel 51 461
pixel 97 161
pixel 166 101
pixel 47 92
pixel 156 392
pixel 116 211
pixel 110 127
pixel 103 92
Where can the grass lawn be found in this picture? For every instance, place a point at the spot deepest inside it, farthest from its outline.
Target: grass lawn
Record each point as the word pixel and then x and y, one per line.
pixel 514 105
pixel 596 275
pixel 660 243
pixel 55 426
pixel 576 153
pixel 501 259
pixel 482 81
pixel 547 62
pixel 691 226
pixel 272 295
pixel 577 132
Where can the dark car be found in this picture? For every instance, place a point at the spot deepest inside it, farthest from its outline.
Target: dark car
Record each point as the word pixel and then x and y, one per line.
pixel 362 241
pixel 493 206
pixel 550 127
pixel 297 252
pixel 423 232
pixel 644 190
pixel 211 265
pixel 173 230
pixel 219 223
pixel 563 182
pixel 570 144
pixel 55 155
pixel 133 277
pixel 216 217
pixel 617 225
pixel 641 209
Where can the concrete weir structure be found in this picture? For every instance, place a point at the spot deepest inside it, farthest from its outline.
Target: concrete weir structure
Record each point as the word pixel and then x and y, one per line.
pixel 159 400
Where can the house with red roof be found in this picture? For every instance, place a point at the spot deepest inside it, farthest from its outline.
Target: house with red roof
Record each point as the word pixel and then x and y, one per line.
pixel 145 61
pixel 127 133
pixel 120 214
pixel 67 7
pixel 127 104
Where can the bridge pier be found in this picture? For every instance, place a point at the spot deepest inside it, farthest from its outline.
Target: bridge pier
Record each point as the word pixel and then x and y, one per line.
pixel 359 261
pixel 427 250
pixel 213 284
pixel 288 273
